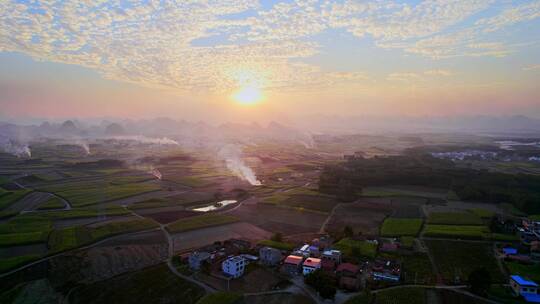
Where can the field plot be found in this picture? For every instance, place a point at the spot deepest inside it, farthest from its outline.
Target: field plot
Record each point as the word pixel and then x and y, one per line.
pixel 72 237
pixel 152 285
pixel 455 260
pixel 255 279
pixel 454 218
pixel 456 231
pixel 405 190
pixel 173 199
pixel 23 230
pixel 91 192
pixel 200 237
pixel 302 198
pixel 8 198
pixel 52 203
pixel 352 248
pixel 201 221
pixel 275 219
pixel 12 262
pixel 281 298
pixel 410 295
pixel 531 272
pixel 363 217
pixel 393 227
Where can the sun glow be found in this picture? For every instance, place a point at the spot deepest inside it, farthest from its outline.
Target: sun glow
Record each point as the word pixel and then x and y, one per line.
pixel 248 95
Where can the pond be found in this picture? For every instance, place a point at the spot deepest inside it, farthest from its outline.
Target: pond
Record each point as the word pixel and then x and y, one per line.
pixel 215 206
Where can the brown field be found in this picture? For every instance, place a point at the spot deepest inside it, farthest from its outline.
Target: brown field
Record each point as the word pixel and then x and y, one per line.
pixel 364 217
pixel 201 237
pixel 277 219
pixel 256 280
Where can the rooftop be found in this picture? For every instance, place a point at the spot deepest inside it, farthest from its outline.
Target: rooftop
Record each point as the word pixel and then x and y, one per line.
pixel 523 282
pixel 348 267
pixel 293 259
pixel 312 262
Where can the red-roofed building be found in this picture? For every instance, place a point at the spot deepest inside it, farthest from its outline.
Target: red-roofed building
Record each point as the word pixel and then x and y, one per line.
pixel 292 264
pixel 310 265
pixel 328 266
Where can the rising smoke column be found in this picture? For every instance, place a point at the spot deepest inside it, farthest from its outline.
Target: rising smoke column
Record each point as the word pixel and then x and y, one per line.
pixel 232 155
pixel 15 148
pixel 147 140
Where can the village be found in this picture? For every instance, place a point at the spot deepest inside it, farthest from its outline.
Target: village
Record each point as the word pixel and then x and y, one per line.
pixel 327 273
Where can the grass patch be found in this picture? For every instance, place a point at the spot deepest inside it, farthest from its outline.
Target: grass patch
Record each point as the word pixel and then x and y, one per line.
pixel 410 295
pixel 531 272
pixel 454 218
pixel 456 260
pixel 393 227
pixel 10 197
pixel 14 262
pixel 73 237
pixel 482 213
pixel 26 223
pixel 277 245
pixel 352 248
pixel 14 239
pixel 150 285
pixel 407 241
pixel 221 298
pixel 455 231
pixel 85 212
pixel 201 221
pixel 52 203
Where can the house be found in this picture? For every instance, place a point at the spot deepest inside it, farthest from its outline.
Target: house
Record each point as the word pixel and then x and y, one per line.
pixel 314 251
pixel 197 258
pixel 527 289
pixel 292 264
pixel 349 276
pixel 310 265
pixel 328 266
pixel 509 251
pixel 270 256
pixel 234 266
pixel 303 251
pixel 535 250
pixel 333 255
pixel 386 270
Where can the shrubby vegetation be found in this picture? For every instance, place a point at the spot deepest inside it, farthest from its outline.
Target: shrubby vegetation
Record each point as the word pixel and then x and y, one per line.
pixel 347 179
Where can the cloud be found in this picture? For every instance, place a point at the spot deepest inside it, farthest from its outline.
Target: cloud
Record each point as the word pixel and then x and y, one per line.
pixel 438 73
pixel 152 43
pixel 533 67
pixel 418 76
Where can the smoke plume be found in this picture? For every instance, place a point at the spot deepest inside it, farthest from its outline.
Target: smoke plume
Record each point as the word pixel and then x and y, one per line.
pixel 15 148
pixel 147 140
pixel 232 155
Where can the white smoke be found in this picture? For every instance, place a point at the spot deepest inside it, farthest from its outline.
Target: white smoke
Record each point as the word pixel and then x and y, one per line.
pixel 84 145
pixel 307 141
pixel 18 149
pixel 232 155
pixel 148 168
pixel 156 173
pixel 147 140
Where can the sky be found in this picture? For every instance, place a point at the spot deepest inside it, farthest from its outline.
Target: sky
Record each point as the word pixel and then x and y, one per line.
pixel 192 59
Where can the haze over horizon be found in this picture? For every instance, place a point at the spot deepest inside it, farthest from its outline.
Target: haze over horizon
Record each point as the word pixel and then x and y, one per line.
pixel 272 60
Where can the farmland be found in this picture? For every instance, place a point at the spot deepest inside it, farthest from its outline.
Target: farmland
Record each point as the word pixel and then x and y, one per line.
pixel 146 285
pixel 455 231
pixel 401 227
pixel 454 218
pixel 455 260
pixel 354 248
pixel 201 221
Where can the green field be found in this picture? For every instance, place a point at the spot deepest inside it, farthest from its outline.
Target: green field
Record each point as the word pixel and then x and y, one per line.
pixel 24 229
pixel 483 213
pixel 531 272
pixel 352 248
pixel 73 237
pixel 92 211
pixel 407 241
pixel 151 285
pixel 455 259
pixel 8 198
pixel 277 245
pixel 86 193
pixel 52 203
pixel 394 227
pixel 409 295
pixel 455 231
pixel 10 263
pixel 454 218
pixel 221 298
pixel 201 221
pixel 23 238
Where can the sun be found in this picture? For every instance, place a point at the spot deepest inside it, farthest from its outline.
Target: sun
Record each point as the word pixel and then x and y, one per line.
pixel 248 95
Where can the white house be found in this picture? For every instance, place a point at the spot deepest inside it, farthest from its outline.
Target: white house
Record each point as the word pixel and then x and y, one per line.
pixel 523 287
pixel 234 266
pixel 310 265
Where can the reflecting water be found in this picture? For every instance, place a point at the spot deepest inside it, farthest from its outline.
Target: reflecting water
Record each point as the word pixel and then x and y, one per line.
pixel 215 206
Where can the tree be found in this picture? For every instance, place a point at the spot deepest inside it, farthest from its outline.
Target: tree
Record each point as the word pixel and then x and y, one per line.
pixel 348 231
pixel 277 237
pixel 479 281
pixel 322 283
